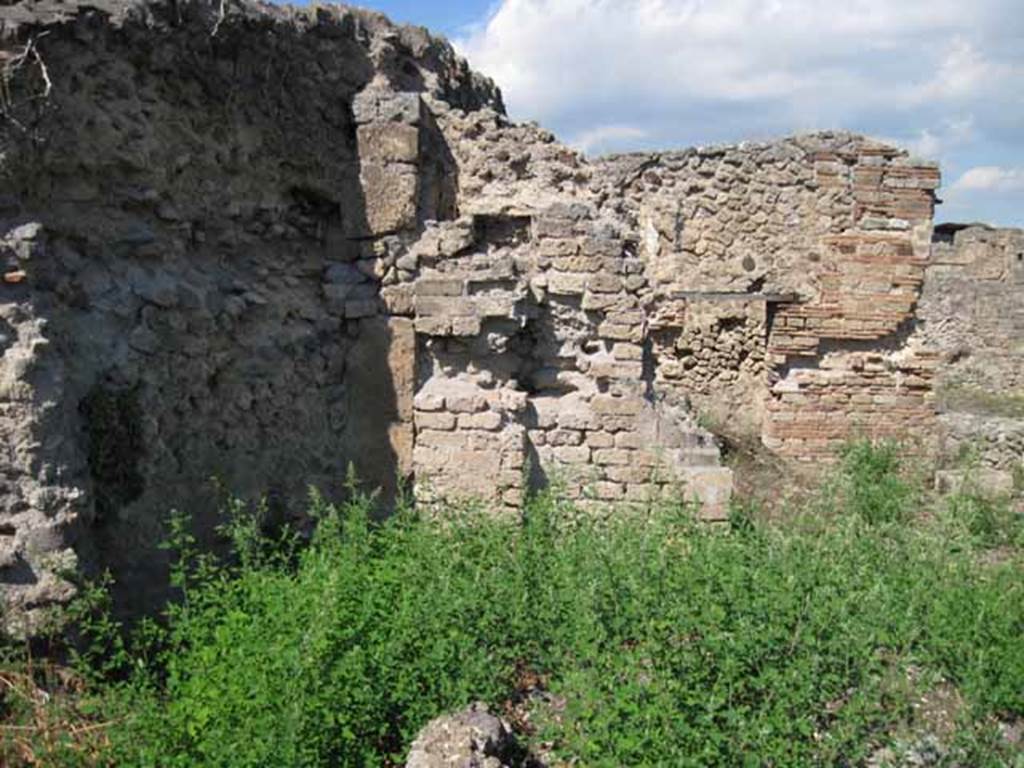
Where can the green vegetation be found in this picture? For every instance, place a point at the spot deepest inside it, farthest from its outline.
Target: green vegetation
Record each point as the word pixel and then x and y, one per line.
pixel 953 397
pixel 990 520
pixel 658 640
pixel 871 485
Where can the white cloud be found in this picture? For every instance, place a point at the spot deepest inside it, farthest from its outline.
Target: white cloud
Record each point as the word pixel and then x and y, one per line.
pixel 935 142
pixel 927 144
pixel 939 78
pixel 606 136
pixel 547 51
pixel 991 178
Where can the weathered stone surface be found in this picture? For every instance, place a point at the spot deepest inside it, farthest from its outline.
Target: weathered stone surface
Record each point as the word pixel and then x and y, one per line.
pixel 189 271
pixel 473 738
pixel 391 197
pixel 389 142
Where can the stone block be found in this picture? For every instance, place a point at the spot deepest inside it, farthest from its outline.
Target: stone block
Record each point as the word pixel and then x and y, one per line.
pixel 447 440
pixel 576 414
pixel 571 454
pixel 643 492
pixel 513 461
pixel 376 104
pixel 617 406
pixel 428 401
pixel 558 437
pixel 567 283
pixel 511 400
pixel 485 420
pixel 509 478
pixel 474 472
pixel 628 474
pixel 552 228
pixel 598 302
pixel 389 143
pixel 603 246
pixel 604 283
pixel 625 317
pixel 878 223
pixel 575 263
pixel 555 248
pixel 546 411
pixel 398 299
pixel 433 326
pixel 497 306
pixel 462 402
pixel 465 326
pixel 630 439
pixel 606 456
pixel 623 351
pixel 435 420
pixel 402 107
pixel 430 457
pixel 444 306
pixel 712 487
pixel 600 439
pixel 651 457
pixel 455 239
pixel 390 194
pixel 615 332
pixel 615 424
pixel 408 262
pixel 439 286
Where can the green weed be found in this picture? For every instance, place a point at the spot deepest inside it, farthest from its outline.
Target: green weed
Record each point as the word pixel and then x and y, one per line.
pixel 668 642
pixel 873 484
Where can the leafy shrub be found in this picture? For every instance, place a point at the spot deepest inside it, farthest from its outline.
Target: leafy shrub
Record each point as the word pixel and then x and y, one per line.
pixel 669 642
pixel 873 484
pixel 990 520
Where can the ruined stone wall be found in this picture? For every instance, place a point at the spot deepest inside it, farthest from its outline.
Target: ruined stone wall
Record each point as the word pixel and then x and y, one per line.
pixel 785 277
pixel 971 311
pixel 848 359
pixel 263 245
pixel 637 300
pixel 194 219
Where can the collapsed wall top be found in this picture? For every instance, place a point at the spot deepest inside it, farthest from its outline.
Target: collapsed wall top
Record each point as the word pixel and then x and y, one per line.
pixel 409 57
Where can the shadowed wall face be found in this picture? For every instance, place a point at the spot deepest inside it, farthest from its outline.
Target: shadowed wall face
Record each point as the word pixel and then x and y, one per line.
pixel 194 230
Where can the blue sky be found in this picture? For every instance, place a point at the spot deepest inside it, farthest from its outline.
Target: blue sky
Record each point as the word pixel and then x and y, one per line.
pixel 448 17
pixel 944 78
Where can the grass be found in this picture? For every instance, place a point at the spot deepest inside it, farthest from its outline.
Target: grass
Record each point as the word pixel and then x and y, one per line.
pixel 968 399
pixel 654 640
